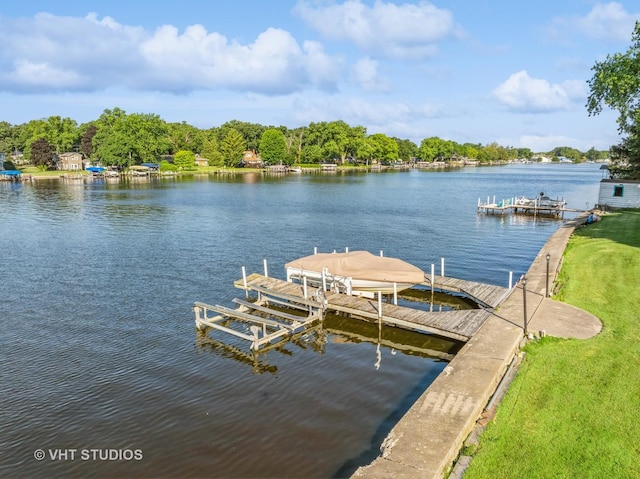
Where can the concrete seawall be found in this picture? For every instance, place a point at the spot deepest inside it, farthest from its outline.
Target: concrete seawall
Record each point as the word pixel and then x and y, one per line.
pixel 427 440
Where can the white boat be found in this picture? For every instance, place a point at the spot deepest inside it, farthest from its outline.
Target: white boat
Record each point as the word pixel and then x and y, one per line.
pixel 541 201
pixel 355 272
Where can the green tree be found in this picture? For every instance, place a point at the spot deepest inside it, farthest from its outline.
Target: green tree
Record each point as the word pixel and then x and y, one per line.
pixel 7 143
pixel 567 152
pixel 126 140
pixel 407 149
pixel 616 84
pixel 185 160
pixel 41 154
pixel 435 148
pixel 250 132
pixel 86 142
pixel 30 132
pixel 311 154
pixel 294 144
pixel 365 150
pixel 62 133
pixel 273 147
pixel 232 147
pixel 384 148
pixel 183 136
pixel 211 150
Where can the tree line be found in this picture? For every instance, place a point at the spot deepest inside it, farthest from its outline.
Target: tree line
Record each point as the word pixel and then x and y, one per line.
pixel 120 139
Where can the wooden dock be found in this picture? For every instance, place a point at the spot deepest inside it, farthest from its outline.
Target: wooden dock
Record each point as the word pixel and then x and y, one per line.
pixel 486 295
pixel 554 208
pixel 460 325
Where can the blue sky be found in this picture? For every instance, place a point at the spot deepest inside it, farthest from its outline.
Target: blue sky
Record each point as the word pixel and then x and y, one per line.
pixel 470 71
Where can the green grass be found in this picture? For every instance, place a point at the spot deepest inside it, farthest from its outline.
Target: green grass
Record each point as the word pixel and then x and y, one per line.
pixel 573 410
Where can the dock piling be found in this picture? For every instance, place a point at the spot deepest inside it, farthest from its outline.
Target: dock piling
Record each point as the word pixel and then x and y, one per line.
pixel 244 282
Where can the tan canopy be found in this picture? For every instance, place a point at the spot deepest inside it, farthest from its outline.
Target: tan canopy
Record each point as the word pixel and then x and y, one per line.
pixel 361 265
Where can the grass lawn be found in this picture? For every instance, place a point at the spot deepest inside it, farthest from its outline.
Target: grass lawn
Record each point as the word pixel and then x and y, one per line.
pixel 573 410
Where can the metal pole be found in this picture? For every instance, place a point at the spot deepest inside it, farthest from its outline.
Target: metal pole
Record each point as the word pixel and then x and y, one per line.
pixel 244 281
pixel 548 258
pixel 524 303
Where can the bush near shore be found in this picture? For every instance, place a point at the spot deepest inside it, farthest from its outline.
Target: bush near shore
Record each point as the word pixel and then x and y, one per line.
pixel 572 411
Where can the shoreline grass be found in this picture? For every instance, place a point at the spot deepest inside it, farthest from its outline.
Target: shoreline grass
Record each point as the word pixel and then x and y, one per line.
pixel 572 410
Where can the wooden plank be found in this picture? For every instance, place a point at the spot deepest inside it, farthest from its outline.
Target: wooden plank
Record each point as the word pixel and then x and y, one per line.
pixel 273 312
pixel 245 316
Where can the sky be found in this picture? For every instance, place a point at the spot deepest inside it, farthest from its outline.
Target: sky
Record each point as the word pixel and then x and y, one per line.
pixel 477 71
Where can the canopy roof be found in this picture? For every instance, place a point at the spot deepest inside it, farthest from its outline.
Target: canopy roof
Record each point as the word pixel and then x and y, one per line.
pixel 361 265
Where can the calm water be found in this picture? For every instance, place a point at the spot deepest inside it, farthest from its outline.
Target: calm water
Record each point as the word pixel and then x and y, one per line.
pixel 99 349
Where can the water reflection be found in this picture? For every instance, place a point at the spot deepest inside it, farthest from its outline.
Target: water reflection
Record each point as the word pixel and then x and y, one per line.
pixel 313 338
pixel 335 329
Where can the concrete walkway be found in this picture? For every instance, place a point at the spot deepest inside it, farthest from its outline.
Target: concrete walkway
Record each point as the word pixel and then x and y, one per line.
pixel 426 441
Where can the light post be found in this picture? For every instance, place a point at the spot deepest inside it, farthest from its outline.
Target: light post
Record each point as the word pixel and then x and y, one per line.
pixel 548 258
pixel 524 303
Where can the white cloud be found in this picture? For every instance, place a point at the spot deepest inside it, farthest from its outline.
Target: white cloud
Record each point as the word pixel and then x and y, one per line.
pixel 521 93
pixel 385 29
pixel 358 111
pixel 540 143
pixel 52 53
pixel 605 21
pixel 365 74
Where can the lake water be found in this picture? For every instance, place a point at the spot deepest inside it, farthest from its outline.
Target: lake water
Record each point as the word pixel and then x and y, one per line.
pixel 102 369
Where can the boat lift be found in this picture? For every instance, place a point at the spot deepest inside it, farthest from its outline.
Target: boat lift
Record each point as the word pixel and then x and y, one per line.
pixel 255 321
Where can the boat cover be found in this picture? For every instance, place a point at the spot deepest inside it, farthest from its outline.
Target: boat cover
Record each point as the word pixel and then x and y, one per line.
pixel 361 265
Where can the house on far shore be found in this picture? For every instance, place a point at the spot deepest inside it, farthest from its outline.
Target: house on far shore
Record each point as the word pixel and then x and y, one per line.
pixel 250 159
pixel 70 162
pixel 201 161
pixel 619 194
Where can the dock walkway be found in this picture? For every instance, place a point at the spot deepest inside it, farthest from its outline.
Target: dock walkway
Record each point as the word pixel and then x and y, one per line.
pixel 487 295
pixel 460 325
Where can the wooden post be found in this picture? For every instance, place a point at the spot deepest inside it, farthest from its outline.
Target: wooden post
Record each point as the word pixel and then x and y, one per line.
pixel 266 273
pixel 304 286
pixel 433 275
pixel 346 250
pixel 442 267
pixel 324 279
pixel 510 279
pixel 381 253
pixel 380 307
pixel 395 293
pixel 244 281
pixel 315 250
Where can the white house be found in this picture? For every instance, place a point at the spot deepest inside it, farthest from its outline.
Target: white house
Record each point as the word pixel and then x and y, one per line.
pixel 619 193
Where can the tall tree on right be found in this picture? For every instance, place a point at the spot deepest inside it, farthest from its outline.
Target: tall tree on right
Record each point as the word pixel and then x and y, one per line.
pixel 616 84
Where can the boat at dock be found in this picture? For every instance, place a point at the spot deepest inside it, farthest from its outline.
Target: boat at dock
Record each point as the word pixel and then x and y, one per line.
pixel 541 201
pixel 355 272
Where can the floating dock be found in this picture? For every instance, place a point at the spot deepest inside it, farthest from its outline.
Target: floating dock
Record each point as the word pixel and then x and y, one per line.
pixel 521 205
